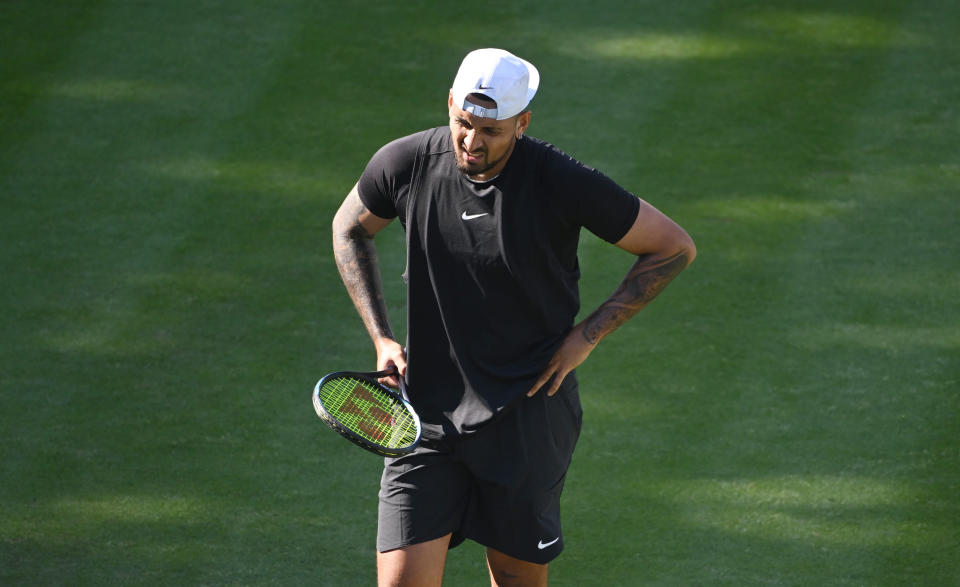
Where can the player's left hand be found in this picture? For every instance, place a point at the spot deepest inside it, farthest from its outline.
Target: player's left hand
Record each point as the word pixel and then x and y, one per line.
pixel 573 351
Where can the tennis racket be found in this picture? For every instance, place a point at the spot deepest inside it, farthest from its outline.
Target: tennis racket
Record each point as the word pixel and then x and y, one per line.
pixel 368 413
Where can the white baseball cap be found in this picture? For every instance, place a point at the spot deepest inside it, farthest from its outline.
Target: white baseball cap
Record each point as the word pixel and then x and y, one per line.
pixel 500 75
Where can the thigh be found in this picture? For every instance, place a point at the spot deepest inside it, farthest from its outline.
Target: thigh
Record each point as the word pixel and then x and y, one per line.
pixel 417 565
pixel 521 464
pixel 423 496
pixel 506 571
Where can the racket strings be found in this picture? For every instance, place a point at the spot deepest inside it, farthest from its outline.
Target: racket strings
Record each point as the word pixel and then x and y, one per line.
pixel 369 412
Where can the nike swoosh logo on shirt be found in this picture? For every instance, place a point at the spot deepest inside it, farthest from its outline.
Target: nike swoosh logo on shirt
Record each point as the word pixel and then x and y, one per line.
pixel 466 216
pixel 541 545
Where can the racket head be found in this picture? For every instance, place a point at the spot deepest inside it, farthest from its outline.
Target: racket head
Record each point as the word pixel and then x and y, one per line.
pixel 367 413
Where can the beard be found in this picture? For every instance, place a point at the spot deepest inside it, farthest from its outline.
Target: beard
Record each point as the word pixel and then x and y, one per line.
pixel 482 165
pixel 477 168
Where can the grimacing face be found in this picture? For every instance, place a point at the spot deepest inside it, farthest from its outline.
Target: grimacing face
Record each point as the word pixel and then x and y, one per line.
pixel 483 145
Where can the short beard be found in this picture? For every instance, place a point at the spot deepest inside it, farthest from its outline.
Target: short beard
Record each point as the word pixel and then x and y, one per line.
pixel 472 171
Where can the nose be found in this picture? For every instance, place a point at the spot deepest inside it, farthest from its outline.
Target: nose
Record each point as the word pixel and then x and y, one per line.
pixel 471 141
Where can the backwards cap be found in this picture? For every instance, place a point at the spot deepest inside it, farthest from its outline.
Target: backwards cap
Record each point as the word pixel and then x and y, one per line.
pixel 500 75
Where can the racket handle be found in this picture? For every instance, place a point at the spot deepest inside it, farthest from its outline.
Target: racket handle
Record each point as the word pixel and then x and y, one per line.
pixel 403 384
pixel 403 387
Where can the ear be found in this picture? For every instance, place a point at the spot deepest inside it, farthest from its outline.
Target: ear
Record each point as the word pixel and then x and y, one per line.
pixel 450 100
pixel 523 121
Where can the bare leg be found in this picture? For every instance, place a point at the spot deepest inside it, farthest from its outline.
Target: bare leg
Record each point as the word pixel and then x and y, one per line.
pixel 506 571
pixel 418 565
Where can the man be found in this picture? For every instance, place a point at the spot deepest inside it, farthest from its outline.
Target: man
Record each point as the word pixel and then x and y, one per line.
pixel 492 220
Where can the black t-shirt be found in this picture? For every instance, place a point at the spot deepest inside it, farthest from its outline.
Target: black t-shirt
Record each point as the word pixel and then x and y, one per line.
pixel 492 267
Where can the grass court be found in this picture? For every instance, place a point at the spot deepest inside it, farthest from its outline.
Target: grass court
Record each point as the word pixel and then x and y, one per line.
pixel 787 413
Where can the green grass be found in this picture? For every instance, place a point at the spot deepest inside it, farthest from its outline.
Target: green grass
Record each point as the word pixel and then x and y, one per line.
pixel 786 414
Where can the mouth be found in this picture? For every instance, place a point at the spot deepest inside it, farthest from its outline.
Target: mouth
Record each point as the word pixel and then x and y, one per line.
pixel 472 158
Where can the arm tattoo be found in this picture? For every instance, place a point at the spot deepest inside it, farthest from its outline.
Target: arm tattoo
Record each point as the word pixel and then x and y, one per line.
pixel 646 279
pixel 356 258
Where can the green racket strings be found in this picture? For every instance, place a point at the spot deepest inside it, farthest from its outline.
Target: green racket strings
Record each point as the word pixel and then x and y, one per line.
pixel 368 412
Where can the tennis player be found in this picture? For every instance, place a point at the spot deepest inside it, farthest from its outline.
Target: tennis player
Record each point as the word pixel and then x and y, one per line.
pixel 492 219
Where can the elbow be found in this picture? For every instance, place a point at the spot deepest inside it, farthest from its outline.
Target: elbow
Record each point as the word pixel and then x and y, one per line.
pixel 342 227
pixel 682 246
pixel 337 231
pixel 689 248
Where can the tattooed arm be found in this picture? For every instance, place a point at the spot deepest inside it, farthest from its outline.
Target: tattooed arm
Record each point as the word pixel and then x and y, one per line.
pixel 354 227
pixel 663 250
pixel 648 276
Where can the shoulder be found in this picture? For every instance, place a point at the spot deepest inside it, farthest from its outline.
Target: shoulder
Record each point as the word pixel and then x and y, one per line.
pixel 553 166
pixel 435 140
pixel 399 155
pixel 555 161
pixel 403 148
pixel 387 175
pixel 536 151
pixel 579 193
pixel 560 173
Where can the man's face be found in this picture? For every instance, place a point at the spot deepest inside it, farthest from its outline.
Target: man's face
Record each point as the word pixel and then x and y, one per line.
pixel 483 145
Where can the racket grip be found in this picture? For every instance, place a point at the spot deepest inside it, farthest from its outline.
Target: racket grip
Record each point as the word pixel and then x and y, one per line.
pixel 403 387
pixel 403 384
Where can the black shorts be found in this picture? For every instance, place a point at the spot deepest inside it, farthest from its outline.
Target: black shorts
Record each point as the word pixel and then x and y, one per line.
pixel 499 486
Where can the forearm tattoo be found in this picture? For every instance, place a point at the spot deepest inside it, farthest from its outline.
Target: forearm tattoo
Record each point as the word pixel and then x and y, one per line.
pixel 646 279
pixel 356 258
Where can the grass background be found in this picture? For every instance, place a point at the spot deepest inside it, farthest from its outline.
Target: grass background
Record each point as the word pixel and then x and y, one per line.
pixel 786 414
